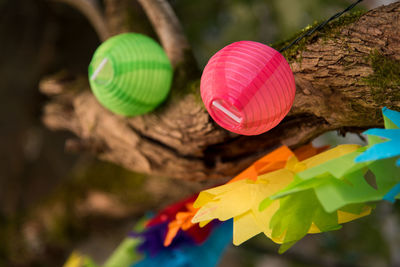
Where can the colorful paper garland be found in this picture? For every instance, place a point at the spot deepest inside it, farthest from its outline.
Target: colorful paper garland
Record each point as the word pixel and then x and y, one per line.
pixel 193 255
pixel 285 195
pixel 324 191
pixel 381 149
pixel 241 200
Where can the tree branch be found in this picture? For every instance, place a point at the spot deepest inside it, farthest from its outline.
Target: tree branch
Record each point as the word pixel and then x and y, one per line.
pixel 168 28
pixel 342 82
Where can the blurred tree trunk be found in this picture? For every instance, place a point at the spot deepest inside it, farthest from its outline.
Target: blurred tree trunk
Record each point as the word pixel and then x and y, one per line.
pixel 344 75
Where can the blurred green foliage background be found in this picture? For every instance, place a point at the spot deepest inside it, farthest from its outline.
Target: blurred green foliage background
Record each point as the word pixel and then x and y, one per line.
pixel 211 25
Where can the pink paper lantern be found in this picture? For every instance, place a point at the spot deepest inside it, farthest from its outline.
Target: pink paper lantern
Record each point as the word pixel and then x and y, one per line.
pixel 247 87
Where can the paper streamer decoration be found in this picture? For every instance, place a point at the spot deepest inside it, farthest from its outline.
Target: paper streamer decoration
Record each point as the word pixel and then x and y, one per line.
pixel 130 74
pixel 390 145
pixel 271 162
pixel 206 254
pixel 340 185
pixel 172 228
pixel 385 143
pixel 392 194
pixel 123 256
pixel 284 195
pixel 302 213
pixel 169 213
pixel 153 240
pixel 341 181
pixel 78 260
pixel 276 160
pixel 247 87
pixel 186 245
pixel 241 199
pixel 183 221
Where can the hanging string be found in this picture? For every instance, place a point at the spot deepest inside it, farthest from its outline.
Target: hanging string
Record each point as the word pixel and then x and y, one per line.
pixel 320 26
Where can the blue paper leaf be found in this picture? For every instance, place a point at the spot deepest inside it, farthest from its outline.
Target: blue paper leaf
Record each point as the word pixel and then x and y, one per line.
pixel 206 254
pixel 386 149
pixel 390 196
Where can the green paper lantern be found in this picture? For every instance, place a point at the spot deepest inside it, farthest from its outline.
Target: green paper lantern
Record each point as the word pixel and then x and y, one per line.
pixel 130 74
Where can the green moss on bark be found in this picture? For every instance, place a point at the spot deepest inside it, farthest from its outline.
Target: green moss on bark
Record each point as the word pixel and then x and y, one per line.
pixel 194 89
pixel 385 81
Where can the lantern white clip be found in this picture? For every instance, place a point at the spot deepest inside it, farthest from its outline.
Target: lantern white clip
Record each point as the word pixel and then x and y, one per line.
pixel 99 68
pixel 227 112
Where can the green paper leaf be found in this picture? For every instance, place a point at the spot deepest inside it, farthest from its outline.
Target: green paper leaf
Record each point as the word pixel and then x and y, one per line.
pixel 391 118
pixel 373 140
pixel 316 176
pixel 125 254
pixel 89 263
pixel 337 167
pixel 335 194
pixel 265 204
pixel 76 259
pixel 285 246
pixel 299 185
pixel 355 208
pixel 295 216
pixel 337 188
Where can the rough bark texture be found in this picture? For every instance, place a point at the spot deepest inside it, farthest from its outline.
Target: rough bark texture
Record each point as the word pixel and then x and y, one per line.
pixel 338 87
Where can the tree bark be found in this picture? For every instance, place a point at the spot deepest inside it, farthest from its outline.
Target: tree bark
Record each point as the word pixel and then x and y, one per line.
pixel 341 85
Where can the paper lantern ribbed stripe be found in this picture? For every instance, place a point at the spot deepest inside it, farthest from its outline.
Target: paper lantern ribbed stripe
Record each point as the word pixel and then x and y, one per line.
pixel 130 74
pixel 247 87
